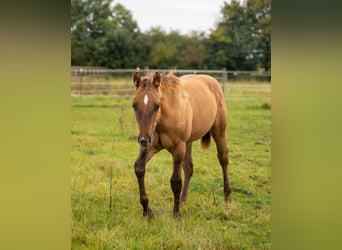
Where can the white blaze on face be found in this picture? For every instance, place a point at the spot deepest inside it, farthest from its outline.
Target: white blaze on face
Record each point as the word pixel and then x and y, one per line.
pixel 145 100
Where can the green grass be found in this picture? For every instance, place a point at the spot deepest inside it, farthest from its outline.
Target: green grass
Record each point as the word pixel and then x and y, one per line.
pixel 103 134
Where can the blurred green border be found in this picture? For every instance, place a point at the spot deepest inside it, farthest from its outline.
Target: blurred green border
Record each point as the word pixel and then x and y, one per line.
pixel 306 124
pixel 35 133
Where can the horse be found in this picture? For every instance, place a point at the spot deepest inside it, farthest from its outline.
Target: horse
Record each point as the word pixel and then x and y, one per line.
pixel 171 113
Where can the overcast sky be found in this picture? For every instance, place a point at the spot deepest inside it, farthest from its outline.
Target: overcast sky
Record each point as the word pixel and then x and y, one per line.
pixel 181 15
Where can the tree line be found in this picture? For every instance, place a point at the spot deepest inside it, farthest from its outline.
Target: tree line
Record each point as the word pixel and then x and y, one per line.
pixel 104 34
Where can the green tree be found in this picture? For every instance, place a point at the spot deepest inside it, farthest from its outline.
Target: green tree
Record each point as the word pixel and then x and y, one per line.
pixel 121 40
pixel 242 38
pixel 231 44
pixel 193 52
pixel 168 50
pixel 102 35
pixel 162 50
pixel 89 23
pixel 259 11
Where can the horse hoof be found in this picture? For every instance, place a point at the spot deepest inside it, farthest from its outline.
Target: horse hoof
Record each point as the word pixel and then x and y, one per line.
pixel 149 214
pixel 182 202
pixel 176 215
pixel 228 199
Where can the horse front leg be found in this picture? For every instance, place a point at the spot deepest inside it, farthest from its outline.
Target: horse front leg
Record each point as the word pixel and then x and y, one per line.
pixel 139 168
pixel 176 181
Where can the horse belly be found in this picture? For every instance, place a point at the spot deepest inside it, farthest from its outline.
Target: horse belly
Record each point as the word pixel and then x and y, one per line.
pixel 204 114
pixel 202 92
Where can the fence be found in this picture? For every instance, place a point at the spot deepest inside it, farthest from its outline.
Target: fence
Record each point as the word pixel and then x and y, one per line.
pixel 118 82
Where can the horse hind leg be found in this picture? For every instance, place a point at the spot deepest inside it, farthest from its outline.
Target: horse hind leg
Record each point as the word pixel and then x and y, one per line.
pixel 222 155
pixel 188 170
pixel 178 155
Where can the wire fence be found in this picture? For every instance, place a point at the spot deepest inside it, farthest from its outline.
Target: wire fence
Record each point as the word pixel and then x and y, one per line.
pixel 91 81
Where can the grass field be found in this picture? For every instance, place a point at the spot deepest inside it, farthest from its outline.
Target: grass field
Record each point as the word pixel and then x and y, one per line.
pixel 103 134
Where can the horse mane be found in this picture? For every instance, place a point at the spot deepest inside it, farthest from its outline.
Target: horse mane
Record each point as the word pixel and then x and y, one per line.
pixel 168 81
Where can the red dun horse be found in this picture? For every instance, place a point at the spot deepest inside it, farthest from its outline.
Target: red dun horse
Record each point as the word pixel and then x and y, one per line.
pixel 172 113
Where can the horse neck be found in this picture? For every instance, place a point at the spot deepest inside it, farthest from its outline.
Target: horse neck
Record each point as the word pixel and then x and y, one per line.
pixel 170 98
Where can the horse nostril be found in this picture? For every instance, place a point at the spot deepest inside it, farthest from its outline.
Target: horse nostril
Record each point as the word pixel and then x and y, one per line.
pixel 144 141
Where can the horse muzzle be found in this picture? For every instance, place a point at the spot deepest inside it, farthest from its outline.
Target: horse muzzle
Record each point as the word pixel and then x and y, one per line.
pixel 144 141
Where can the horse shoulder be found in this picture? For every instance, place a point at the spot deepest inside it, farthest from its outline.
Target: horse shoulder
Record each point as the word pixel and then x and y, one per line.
pixel 176 120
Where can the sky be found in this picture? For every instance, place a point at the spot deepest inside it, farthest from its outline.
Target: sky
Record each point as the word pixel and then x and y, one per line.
pixel 181 15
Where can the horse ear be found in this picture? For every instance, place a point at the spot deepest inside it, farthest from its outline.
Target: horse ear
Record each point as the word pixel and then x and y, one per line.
pixel 157 79
pixel 136 79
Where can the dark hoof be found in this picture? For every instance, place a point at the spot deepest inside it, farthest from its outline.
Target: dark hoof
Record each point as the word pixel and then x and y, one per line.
pixel 176 215
pixel 149 214
pixel 228 199
pixel 183 198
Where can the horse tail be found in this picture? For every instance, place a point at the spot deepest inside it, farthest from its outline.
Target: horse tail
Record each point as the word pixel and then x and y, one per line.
pixel 205 141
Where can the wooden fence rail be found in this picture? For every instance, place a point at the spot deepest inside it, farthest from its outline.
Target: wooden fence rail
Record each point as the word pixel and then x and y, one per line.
pixel 104 81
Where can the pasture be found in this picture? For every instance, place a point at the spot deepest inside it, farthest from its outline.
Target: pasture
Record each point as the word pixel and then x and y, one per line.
pixel 106 213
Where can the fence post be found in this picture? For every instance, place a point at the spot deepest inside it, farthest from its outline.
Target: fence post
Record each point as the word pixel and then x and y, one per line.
pixel 81 75
pixel 146 70
pixel 224 78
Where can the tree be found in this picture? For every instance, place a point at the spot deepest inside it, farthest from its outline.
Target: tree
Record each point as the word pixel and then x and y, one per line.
pixel 168 50
pixel 121 39
pixel 242 38
pixel 102 35
pixel 231 44
pixel 89 23
pixel 259 11
pixel 193 52
pixel 162 50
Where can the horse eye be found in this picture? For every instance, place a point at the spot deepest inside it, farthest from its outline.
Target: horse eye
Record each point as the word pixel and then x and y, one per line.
pixel 156 107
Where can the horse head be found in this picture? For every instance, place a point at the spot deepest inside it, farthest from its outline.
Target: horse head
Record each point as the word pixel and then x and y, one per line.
pixel 146 105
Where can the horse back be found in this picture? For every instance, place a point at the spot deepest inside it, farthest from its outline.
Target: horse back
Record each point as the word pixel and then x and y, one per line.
pixel 203 90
